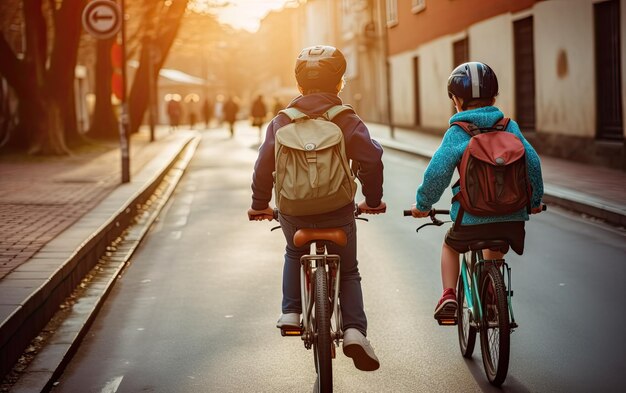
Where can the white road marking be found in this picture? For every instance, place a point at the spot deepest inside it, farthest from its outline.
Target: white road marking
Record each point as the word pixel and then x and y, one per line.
pixel 112 385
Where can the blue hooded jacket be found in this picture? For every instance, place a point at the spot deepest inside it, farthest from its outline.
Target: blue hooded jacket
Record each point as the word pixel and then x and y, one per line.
pixel 360 147
pixel 439 173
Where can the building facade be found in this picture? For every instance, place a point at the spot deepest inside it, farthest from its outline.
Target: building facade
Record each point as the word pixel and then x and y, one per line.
pixel 357 28
pixel 559 65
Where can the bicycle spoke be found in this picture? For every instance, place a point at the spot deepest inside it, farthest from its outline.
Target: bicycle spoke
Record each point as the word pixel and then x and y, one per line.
pixel 495 339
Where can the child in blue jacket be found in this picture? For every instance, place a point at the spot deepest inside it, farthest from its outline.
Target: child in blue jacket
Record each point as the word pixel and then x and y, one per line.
pixel 472 87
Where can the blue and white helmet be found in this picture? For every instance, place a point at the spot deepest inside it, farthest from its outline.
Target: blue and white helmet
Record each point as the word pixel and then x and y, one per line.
pixel 473 80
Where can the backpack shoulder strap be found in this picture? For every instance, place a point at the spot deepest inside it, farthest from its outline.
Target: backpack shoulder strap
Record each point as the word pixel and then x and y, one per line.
pixel 335 110
pixel 501 124
pixel 294 114
pixel 470 128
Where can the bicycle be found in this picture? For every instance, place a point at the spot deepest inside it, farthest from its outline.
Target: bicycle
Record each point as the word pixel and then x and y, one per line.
pixel 321 325
pixel 484 304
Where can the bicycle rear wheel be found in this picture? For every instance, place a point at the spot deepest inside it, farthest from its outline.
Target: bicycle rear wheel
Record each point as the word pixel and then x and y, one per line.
pixel 467 333
pixel 495 332
pixel 322 341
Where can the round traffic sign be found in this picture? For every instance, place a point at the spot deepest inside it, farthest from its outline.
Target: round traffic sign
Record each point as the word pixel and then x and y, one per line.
pixel 102 18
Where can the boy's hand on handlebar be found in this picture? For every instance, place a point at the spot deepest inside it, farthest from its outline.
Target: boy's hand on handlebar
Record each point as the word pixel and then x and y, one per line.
pixel 364 208
pixel 539 209
pixel 260 215
pixel 418 213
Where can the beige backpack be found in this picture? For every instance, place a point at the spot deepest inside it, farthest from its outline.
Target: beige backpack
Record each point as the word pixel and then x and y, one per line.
pixel 312 173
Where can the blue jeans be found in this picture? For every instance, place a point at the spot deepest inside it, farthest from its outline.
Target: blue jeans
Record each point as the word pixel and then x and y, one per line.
pixel 350 295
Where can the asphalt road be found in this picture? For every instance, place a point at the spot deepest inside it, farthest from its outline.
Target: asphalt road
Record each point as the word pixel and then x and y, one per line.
pixel 195 310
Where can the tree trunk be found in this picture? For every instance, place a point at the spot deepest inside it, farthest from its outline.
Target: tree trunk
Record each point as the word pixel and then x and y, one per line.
pixel 138 99
pixel 35 61
pixel 61 74
pixel 44 80
pixel 104 123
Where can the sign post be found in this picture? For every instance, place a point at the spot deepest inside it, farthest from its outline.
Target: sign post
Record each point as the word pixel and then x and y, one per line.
pixel 103 19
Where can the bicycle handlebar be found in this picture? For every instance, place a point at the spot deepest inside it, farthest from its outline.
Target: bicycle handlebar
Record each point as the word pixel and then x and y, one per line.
pixel 432 213
pixel 357 212
pixel 437 222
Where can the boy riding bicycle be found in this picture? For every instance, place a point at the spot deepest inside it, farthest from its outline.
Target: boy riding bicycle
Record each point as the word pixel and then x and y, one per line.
pixel 319 72
pixel 472 87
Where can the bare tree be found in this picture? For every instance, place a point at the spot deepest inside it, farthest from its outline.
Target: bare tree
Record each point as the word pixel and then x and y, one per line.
pixel 161 25
pixel 104 122
pixel 42 77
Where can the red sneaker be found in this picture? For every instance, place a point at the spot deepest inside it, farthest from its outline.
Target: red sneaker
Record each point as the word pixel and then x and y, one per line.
pixel 446 308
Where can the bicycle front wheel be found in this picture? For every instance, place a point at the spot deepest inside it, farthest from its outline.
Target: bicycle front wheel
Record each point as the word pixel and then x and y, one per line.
pixel 467 333
pixel 495 332
pixel 322 341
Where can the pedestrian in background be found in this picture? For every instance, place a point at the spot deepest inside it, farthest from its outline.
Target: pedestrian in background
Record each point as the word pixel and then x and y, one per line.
pixel 218 112
pixel 174 111
pixel 207 112
pixel 192 101
pixel 230 114
pixel 278 106
pixel 259 111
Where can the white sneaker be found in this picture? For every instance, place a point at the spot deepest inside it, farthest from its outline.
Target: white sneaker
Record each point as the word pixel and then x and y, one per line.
pixel 357 347
pixel 289 319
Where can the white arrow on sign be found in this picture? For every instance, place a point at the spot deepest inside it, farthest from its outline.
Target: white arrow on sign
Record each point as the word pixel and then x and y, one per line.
pixel 102 18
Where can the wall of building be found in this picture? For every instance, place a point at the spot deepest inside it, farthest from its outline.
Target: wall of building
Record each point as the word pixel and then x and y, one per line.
pixel 361 41
pixel 564 68
pixel 443 17
pixel 565 103
pixel 318 21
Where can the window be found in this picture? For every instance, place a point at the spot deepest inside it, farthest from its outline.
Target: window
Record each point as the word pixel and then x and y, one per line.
pixel 418 5
pixel 392 12
pixel 608 72
pixel 416 74
pixel 460 55
pixel 460 51
pixel 524 56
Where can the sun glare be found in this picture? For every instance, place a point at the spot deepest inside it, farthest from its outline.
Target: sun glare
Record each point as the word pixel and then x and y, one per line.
pixel 242 14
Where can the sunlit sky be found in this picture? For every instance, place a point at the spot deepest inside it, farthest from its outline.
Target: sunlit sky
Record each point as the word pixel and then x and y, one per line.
pixel 244 14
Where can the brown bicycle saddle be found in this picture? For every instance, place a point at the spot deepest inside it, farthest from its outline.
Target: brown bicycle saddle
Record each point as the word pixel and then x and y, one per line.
pixel 307 235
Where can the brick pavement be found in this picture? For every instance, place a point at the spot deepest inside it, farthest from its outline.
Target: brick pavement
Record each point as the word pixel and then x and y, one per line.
pixel 40 197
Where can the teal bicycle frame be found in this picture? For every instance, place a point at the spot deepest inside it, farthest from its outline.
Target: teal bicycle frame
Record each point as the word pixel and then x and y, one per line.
pixel 473 269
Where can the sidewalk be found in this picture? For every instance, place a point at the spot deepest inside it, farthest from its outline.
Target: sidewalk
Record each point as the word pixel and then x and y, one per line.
pixel 52 212
pixel 58 215
pixel 595 191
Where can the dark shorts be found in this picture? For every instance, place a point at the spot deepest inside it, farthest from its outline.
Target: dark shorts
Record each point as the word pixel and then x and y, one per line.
pixel 513 231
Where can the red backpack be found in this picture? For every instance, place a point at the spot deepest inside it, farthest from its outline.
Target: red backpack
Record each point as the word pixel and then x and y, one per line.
pixel 493 173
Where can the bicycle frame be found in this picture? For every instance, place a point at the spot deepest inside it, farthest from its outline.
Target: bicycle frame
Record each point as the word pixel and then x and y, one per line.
pixel 319 259
pixel 471 267
pixel 484 304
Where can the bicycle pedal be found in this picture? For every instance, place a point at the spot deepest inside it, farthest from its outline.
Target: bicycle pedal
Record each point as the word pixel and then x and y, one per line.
pixel 447 321
pixel 291 331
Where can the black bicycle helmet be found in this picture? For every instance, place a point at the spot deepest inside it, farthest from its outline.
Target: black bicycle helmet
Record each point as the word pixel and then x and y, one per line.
pixel 320 67
pixel 473 80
